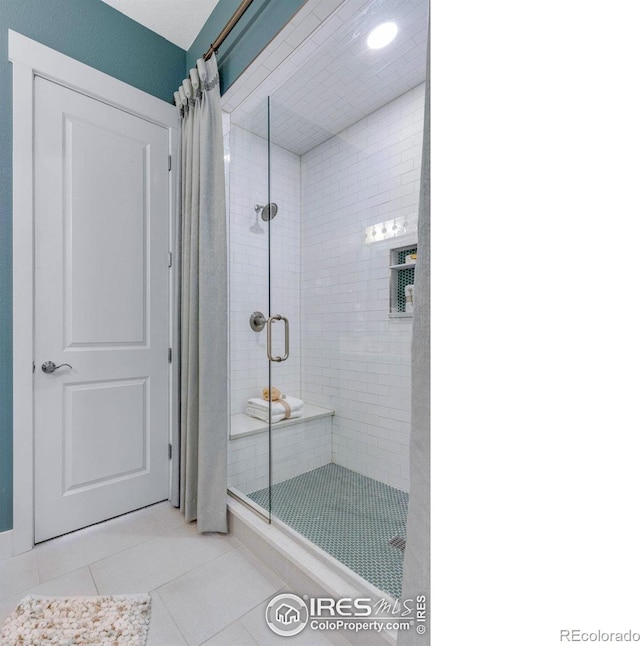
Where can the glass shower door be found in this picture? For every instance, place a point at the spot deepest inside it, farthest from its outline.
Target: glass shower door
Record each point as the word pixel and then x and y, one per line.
pixel 279 217
pixel 290 454
pixel 264 232
pixel 247 155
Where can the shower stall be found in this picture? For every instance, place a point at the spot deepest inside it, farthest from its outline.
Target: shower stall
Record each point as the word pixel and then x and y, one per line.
pixel 323 188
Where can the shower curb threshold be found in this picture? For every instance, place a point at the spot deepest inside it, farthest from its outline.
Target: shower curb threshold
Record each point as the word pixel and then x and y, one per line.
pixel 296 560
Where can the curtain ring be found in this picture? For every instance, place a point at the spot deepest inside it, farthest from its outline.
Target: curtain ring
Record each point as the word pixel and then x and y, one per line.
pixel 202 69
pixel 188 88
pixel 195 79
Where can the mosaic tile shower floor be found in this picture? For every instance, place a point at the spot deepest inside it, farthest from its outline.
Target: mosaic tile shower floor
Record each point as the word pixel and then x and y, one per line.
pixel 350 516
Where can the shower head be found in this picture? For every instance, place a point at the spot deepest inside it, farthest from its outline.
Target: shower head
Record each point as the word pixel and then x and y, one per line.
pixel 255 227
pixel 268 211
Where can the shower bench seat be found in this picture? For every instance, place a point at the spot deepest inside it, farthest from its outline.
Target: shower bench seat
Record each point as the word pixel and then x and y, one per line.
pixel 243 425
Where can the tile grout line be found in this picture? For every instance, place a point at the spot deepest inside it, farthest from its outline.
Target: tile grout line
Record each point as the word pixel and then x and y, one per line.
pixel 166 607
pixel 236 548
pixel 233 548
pixel 93 578
pixel 124 549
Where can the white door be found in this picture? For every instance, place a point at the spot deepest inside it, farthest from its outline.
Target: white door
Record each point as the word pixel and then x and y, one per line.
pixel 101 306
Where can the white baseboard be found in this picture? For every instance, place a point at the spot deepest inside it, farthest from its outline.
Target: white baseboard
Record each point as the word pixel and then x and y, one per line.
pixel 6 544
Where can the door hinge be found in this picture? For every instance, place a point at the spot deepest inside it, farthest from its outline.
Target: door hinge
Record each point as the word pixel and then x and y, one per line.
pixel 34 366
pixel 170 451
pixel 170 355
pixel 170 259
pixel 169 162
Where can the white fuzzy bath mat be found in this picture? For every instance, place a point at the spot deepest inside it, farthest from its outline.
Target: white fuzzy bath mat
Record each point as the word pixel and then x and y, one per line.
pixel 114 620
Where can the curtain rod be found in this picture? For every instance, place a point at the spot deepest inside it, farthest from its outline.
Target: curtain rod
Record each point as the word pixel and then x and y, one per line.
pixel 239 12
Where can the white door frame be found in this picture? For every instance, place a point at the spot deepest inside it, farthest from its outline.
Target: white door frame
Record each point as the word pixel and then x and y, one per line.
pixel 31 59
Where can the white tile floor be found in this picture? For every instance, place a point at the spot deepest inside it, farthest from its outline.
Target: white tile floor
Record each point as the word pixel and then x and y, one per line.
pixel 207 590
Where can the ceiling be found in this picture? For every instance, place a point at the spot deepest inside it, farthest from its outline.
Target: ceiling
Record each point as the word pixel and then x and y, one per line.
pixel 342 81
pixel 337 81
pixel 179 21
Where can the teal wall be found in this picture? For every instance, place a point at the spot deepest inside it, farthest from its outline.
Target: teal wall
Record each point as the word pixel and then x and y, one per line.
pixel 261 22
pixel 93 33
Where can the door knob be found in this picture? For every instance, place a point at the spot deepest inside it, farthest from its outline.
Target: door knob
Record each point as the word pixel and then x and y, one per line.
pixel 49 366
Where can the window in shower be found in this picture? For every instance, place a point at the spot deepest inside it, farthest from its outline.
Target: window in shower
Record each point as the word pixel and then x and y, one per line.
pixel 337 147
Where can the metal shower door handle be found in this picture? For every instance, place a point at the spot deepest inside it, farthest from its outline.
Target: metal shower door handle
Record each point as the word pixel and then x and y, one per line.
pixel 278 317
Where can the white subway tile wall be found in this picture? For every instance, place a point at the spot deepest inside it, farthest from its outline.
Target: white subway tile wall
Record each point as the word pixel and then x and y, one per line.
pixel 295 450
pixel 248 260
pixel 355 359
pixel 249 266
pixel 333 285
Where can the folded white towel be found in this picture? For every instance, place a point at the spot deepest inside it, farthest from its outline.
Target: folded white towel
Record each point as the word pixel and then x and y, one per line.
pixel 259 408
pixel 262 414
pixel 294 404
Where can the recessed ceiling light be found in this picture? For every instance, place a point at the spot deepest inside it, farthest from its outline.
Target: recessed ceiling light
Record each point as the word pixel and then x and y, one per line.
pixel 382 35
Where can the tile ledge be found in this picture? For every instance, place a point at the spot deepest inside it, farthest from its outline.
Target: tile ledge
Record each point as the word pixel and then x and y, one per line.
pixel 243 425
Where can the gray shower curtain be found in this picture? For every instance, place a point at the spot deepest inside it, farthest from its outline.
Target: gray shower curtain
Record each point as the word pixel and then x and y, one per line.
pixel 202 241
pixel 416 578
